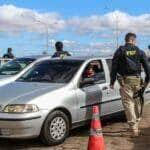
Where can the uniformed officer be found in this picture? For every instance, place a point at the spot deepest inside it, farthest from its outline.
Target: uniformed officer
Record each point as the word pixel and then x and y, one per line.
pixel 126 66
pixel 59 50
pixel 9 54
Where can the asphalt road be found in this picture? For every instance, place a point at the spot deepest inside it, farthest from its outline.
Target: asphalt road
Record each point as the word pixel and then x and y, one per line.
pixel 114 131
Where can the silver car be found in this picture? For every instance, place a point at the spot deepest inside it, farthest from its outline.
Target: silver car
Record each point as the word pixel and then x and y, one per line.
pixel 13 69
pixel 55 96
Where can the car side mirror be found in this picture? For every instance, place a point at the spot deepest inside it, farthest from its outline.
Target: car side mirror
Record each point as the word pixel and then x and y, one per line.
pixel 86 81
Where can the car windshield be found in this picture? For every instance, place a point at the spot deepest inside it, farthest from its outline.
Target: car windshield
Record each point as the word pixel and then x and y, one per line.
pixel 15 66
pixel 53 71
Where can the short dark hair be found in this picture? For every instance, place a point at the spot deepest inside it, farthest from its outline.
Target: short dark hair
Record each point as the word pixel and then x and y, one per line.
pixel 9 49
pixel 59 45
pixel 130 36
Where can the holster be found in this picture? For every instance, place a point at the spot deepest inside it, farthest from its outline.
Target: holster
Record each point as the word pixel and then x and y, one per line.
pixel 140 94
pixel 121 80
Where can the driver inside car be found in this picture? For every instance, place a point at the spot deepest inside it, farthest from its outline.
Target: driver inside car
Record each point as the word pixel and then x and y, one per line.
pixel 93 71
pixel 90 72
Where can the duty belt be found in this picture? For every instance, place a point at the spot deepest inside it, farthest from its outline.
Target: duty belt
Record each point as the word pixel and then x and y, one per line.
pixel 125 76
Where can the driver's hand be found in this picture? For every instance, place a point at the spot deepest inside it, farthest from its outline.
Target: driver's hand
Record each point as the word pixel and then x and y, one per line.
pixel 111 86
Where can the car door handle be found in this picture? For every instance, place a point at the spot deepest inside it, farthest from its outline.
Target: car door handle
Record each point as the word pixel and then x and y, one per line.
pixel 105 88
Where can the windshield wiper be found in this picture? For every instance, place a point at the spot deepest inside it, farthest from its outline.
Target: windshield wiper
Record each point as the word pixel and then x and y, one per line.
pixel 23 80
pixel 33 80
pixel 40 80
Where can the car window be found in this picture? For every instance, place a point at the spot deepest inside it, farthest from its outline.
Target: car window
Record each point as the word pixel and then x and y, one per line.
pixel 95 70
pixel 53 71
pixel 15 66
pixel 109 63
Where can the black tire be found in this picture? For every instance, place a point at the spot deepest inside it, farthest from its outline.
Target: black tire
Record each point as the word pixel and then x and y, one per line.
pixel 46 136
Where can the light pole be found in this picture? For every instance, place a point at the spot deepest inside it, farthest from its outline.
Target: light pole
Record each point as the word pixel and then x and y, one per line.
pixel 117 31
pixel 46 31
pixel 47 25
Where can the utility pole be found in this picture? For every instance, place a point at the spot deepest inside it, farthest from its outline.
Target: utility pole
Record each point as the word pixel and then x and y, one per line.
pixel 117 31
pixel 47 26
pixel 46 33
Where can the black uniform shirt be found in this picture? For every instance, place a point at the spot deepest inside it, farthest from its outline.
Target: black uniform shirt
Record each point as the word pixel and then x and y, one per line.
pixel 119 63
pixel 60 53
pixel 8 55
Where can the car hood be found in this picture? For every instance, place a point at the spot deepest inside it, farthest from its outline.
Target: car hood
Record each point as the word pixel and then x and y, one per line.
pixel 19 92
pixel 4 76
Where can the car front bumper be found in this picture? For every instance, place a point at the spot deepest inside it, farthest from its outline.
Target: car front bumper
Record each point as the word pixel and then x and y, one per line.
pixel 21 125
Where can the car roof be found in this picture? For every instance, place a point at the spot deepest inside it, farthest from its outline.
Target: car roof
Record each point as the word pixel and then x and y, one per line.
pixel 82 58
pixel 34 57
pixel 85 57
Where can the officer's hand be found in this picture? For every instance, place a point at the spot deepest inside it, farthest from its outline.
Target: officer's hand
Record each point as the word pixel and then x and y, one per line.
pixel 111 86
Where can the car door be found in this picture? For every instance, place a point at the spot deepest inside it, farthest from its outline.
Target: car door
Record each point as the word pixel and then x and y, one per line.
pixel 147 90
pixel 87 95
pixel 111 101
pixel 103 85
pixel 113 95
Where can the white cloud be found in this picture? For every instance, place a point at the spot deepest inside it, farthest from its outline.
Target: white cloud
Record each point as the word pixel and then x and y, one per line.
pixel 14 19
pixel 84 49
pixel 52 42
pixel 108 22
pixel 67 43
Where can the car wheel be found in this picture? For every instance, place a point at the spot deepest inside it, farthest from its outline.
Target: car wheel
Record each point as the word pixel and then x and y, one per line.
pixel 55 128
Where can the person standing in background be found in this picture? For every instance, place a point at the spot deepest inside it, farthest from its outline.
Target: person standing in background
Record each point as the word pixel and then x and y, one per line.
pixel 9 54
pixel 59 50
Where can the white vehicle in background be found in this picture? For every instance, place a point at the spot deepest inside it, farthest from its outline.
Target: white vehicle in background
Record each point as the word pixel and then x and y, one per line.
pixel 4 60
pixel 13 69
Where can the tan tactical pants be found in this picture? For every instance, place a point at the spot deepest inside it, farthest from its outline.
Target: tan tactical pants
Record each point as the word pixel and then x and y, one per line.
pixel 129 86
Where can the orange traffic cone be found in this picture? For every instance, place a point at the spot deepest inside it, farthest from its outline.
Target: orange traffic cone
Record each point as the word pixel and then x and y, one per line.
pixel 96 140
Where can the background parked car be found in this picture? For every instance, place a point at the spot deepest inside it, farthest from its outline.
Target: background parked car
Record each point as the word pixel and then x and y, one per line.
pixel 4 60
pixel 11 70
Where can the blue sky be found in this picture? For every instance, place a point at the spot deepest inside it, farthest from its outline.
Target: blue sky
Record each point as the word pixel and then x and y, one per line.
pixel 78 33
pixel 70 8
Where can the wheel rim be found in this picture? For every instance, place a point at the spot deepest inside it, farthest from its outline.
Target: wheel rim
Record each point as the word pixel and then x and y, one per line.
pixel 57 128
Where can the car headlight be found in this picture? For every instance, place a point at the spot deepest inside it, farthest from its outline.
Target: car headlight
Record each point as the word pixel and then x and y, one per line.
pixel 21 108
